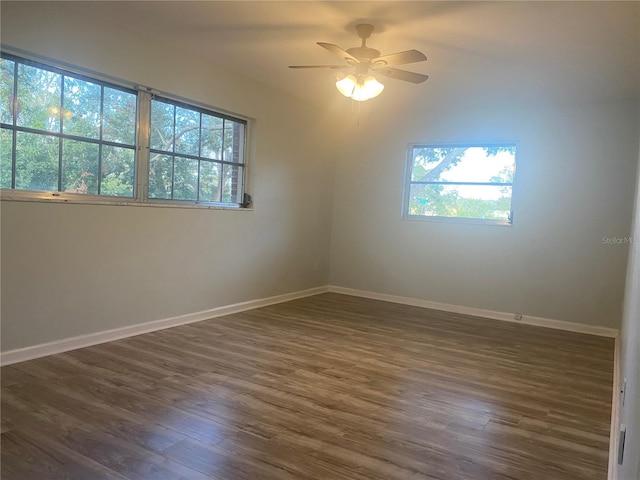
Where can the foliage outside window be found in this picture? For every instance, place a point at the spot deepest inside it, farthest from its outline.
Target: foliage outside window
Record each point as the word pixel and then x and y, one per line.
pixel 464 182
pixel 65 133
pixel 194 155
pixel 77 137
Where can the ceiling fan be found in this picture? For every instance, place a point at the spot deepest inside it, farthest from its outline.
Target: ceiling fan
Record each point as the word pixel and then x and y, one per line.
pixel 362 85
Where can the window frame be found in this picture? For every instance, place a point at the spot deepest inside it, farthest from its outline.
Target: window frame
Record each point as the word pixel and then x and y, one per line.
pixel 222 162
pixel 144 96
pixel 460 220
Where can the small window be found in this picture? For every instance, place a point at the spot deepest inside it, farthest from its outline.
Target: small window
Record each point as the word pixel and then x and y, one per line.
pixel 195 155
pixel 62 132
pixel 464 182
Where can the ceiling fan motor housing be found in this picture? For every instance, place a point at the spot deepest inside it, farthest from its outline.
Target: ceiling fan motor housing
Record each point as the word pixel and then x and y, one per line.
pixel 364 53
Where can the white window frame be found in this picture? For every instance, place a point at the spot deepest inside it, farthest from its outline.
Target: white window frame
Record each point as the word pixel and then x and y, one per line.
pixel 434 218
pixel 142 150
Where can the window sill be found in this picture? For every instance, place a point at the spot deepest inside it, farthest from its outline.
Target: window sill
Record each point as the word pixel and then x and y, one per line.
pixel 457 220
pixel 48 197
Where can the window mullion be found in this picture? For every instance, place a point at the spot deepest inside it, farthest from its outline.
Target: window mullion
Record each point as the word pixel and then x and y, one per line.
pixel 142 146
pixel 61 120
pixel 100 134
pixel 173 157
pixel 15 122
pixel 199 157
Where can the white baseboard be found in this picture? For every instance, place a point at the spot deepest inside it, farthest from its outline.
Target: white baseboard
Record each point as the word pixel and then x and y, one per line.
pixel 478 312
pixel 615 416
pixel 72 343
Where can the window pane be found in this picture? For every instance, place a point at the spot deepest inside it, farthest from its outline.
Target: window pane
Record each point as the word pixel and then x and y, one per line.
pixel 462 201
pixel 211 137
pixel 81 108
pixel 6 145
pixel 79 167
pixel 464 164
pixel 233 141
pixel 119 116
pixel 187 131
pixel 160 175
pixel 232 184
pixel 185 184
pixel 227 153
pixel 118 171
pixel 39 98
pixel 209 182
pixel 238 142
pixel 426 159
pixel 6 90
pixel 162 126
pixel 36 162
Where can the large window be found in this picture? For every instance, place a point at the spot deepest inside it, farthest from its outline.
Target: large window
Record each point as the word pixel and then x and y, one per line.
pixel 80 138
pixel 65 133
pixel 464 182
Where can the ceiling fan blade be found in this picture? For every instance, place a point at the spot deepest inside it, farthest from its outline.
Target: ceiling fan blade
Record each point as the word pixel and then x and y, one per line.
pixel 318 66
pixel 336 50
pixel 400 58
pixel 402 75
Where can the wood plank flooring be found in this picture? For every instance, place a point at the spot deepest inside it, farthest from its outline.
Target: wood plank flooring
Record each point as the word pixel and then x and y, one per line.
pixel 327 387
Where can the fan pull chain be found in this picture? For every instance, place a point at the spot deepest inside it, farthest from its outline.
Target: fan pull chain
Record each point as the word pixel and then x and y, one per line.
pixel 355 110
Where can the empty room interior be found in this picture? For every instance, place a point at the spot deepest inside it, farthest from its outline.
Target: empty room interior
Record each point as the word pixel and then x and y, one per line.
pixel 413 255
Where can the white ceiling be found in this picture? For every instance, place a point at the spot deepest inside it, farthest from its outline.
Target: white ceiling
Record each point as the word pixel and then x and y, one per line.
pixel 522 48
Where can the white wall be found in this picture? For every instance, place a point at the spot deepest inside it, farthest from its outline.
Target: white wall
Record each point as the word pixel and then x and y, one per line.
pixel 576 164
pixel 629 351
pixel 75 269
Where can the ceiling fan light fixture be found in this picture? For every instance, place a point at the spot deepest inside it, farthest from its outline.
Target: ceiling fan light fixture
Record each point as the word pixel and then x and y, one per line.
pixel 359 89
pixel 372 86
pixel 346 85
pixel 361 86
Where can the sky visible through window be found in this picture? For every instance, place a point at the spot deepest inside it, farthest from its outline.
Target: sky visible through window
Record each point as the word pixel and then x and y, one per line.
pixel 476 166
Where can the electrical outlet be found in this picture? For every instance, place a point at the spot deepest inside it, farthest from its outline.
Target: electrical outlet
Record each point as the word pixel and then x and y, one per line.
pixel 623 434
pixel 623 392
pixel 517 316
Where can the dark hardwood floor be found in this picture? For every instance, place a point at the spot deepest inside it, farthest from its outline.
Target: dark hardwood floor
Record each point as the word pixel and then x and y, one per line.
pixel 328 387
